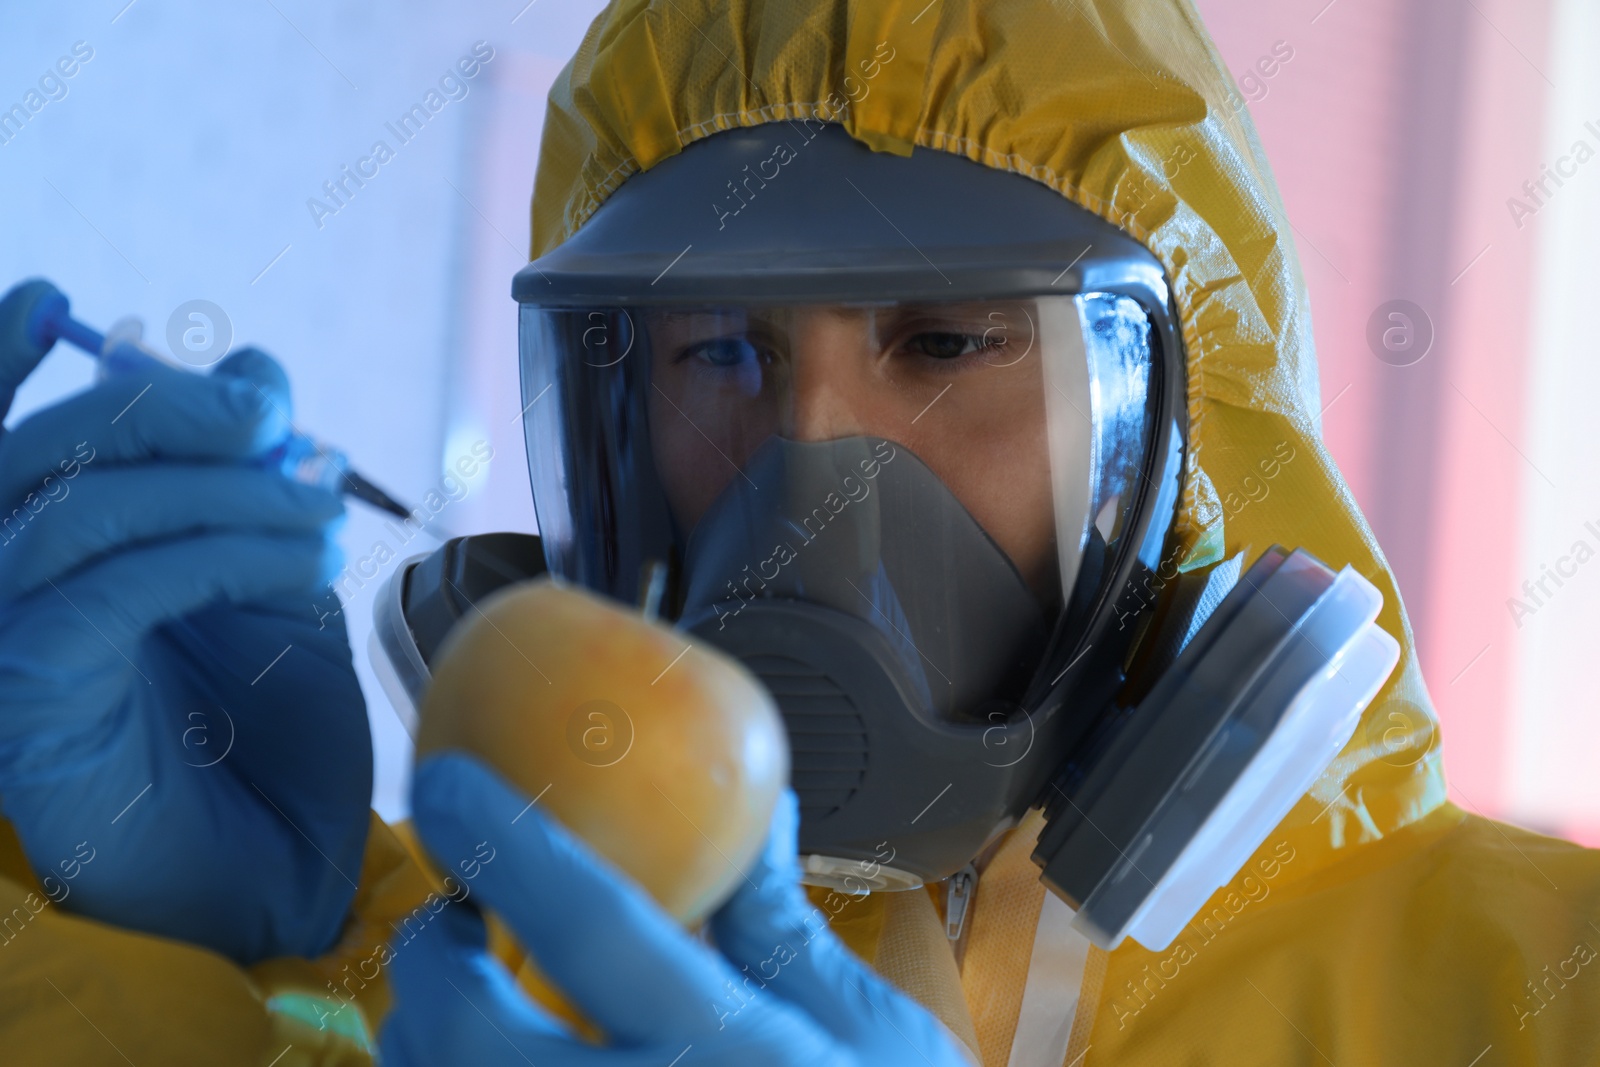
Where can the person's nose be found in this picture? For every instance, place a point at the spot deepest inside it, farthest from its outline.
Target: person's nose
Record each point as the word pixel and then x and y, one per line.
pixel 829 386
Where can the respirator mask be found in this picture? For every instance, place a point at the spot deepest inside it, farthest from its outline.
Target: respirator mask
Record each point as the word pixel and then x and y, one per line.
pixel 906 437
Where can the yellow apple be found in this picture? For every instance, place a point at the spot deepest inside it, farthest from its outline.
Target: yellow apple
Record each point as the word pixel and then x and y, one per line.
pixel 667 757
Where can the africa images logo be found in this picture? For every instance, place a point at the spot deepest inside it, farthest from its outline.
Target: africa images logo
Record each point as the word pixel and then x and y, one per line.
pixel 454 85
pixel 852 490
pixel 855 91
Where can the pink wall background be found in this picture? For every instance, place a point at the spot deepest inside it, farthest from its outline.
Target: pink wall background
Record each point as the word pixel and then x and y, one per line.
pixel 1397 131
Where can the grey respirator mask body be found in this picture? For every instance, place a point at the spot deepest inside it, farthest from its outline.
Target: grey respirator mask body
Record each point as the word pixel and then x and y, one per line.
pixel 802 409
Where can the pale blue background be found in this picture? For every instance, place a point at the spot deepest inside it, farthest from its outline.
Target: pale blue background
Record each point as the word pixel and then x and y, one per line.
pixel 190 144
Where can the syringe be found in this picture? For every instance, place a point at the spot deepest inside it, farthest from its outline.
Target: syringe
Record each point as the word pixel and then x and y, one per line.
pixel 299 457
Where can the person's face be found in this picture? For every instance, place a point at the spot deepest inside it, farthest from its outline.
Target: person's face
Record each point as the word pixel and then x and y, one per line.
pixel 960 386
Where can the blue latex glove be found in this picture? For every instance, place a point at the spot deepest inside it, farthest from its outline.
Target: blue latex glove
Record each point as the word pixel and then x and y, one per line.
pixel 661 996
pixel 172 709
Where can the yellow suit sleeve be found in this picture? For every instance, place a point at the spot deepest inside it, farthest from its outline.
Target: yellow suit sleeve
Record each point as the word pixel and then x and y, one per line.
pixel 73 990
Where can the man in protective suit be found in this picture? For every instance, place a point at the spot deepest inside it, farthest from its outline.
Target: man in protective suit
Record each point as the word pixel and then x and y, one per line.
pixel 1377 923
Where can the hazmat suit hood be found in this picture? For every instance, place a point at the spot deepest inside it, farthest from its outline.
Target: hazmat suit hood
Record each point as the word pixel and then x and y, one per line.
pixel 1125 109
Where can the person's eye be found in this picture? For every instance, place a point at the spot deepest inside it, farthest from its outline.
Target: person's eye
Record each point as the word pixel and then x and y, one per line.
pixel 725 352
pixel 949 345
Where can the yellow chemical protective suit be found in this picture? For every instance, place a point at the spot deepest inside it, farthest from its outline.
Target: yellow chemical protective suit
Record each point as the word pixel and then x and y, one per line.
pixel 1379 924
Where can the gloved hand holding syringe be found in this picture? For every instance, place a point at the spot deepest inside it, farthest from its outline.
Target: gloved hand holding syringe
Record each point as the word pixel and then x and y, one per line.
pixel 121 351
pixel 174 692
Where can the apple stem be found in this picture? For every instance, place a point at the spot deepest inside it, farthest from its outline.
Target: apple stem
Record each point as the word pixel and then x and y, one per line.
pixel 652 584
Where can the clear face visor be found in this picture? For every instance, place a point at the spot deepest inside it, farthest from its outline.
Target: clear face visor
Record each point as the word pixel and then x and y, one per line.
pixel 954 475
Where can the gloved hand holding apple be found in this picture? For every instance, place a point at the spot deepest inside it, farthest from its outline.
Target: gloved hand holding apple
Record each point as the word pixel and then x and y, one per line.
pixel 640 782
